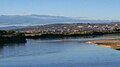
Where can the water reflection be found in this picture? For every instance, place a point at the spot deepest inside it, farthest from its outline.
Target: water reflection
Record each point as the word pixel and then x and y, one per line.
pixel 65 37
pixel 5 49
pixel 112 36
pixel 12 45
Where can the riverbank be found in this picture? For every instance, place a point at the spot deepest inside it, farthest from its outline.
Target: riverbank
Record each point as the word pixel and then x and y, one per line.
pixel 65 34
pixel 17 37
pixel 105 42
pixel 11 37
pixel 114 44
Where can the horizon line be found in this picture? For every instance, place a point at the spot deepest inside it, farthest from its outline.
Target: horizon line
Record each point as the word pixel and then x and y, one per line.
pixel 75 17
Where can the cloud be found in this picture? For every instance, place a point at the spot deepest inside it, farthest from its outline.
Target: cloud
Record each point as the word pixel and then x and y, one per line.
pixel 7 25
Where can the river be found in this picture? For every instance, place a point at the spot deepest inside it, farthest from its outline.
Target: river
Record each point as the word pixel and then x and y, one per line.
pixel 65 52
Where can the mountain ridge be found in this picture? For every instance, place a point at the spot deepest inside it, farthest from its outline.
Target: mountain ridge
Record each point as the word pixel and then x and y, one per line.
pixel 34 19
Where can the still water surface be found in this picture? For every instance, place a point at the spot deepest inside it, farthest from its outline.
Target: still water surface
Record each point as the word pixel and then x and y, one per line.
pixel 58 53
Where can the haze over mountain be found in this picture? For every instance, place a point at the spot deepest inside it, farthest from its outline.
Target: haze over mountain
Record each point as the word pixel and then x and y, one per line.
pixel 30 20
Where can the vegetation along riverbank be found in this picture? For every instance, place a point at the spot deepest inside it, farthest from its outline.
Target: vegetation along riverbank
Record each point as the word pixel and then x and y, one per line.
pixel 11 37
pixel 58 31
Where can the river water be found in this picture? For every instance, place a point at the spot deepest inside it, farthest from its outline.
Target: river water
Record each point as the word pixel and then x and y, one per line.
pixel 65 52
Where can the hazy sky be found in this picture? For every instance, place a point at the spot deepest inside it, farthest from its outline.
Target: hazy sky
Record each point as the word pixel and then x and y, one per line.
pixel 107 9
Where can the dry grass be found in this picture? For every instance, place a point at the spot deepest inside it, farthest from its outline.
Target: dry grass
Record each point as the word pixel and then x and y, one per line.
pixel 114 44
pixel 109 42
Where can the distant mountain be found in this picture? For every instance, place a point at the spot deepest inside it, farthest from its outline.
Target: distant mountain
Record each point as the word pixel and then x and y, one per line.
pixel 34 19
pixel 12 27
pixel 41 19
pixel 14 21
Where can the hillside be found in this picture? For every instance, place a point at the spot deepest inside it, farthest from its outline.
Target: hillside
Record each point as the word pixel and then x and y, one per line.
pixel 72 27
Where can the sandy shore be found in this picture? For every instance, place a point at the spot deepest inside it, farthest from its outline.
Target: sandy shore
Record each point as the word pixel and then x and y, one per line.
pixel 104 42
pixel 115 44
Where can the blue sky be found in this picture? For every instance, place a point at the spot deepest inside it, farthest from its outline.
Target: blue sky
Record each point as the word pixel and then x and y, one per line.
pixel 99 9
